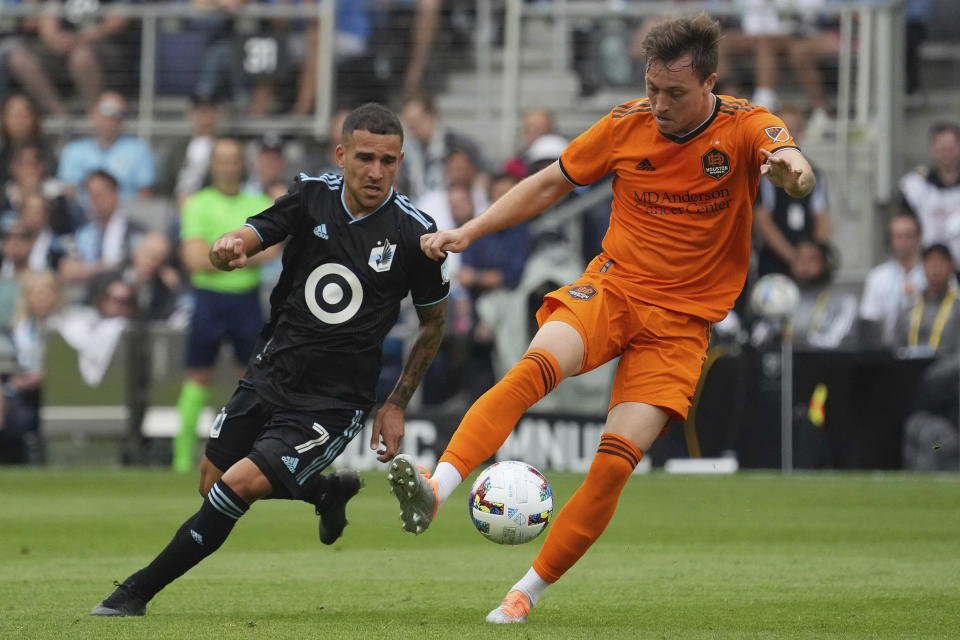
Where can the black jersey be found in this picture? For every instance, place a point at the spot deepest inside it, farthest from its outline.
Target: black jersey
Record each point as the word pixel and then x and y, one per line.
pixel 339 293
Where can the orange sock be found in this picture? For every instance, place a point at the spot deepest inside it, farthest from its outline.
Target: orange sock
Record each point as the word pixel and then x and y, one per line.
pixel 585 516
pixel 494 415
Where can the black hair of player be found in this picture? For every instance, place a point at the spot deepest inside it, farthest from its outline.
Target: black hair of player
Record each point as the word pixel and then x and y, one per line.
pixel 375 118
pixel 697 36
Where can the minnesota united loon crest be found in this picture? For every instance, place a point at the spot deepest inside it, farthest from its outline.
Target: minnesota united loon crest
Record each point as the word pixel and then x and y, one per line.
pixel 381 256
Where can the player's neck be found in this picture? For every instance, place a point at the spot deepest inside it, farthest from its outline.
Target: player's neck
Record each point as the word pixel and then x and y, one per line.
pixel 706 115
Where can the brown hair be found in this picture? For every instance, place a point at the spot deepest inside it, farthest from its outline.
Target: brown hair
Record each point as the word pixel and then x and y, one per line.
pixel 697 36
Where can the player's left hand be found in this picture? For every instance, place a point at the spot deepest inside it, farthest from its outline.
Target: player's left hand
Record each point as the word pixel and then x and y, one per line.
pixel 790 176
pixel 388 430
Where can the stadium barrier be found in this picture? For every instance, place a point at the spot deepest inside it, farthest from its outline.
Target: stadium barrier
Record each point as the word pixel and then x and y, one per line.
pixel 734 414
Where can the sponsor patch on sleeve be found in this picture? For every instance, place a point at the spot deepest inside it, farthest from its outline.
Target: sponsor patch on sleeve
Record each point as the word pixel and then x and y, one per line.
pixel 582 292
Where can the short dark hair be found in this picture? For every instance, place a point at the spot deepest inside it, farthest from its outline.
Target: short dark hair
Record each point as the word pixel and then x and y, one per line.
pixel 943 127
pixel 697 36
pixel 908 215
pixel 938 248
pixel 375 118
pixel 103 174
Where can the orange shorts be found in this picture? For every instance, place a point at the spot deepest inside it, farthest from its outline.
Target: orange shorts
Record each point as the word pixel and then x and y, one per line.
pixel 661 351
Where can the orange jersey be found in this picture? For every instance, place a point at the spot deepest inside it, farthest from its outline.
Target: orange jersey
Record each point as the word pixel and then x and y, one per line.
pixel 679 230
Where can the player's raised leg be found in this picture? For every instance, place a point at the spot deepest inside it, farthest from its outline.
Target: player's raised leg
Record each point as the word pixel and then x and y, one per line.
pixel 555 353
pixel 631 429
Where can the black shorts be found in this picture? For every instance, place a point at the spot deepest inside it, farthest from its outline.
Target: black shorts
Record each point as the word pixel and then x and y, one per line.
pixel 289 447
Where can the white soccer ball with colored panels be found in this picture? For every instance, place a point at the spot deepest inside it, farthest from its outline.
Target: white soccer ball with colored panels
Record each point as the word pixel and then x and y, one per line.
pixel 775 296
pixel 511 503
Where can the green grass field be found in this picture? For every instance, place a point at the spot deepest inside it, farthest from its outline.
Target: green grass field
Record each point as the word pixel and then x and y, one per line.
pixel 753 555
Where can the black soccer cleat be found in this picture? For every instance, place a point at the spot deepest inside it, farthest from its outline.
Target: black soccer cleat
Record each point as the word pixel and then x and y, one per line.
pixel 122 603
pixel 332 507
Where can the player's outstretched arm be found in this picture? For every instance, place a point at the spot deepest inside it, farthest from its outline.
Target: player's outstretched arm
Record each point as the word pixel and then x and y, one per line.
pixel 388 427
pixel 525 200
pixel 231 250
pixel 788 169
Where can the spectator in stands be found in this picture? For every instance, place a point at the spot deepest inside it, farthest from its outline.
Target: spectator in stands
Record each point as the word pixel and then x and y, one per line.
pixel 16 242
pixel 325 161
pixel 127 158
pixel 15 250
pixel 826 316
pixel 535 123
pixel 108 239
pixel 20 125
pixel 156 283
pixel 48 247
pixel 496 260
pixel 20 438
pixel 269 164
pixel 892 287
pixel 932 192
pixel 932 327
pixel 227 302
pixel 489 264
pixel 781 221
pixel 92 44
pixel 806 36
pixel 411 28
pixel 932 324
pixel 18 58
pixel 187 159
pixel 350 43
pixel 429 145
pixel 28 175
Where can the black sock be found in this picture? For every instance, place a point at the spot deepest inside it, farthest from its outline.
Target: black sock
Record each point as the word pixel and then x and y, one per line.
pixel 198 537
pixel 313 492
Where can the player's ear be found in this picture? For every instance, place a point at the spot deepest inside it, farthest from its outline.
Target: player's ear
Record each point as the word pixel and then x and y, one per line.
pixel 340 155
pixel 710 82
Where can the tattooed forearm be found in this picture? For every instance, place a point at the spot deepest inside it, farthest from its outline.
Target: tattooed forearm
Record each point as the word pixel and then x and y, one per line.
pixel 433 319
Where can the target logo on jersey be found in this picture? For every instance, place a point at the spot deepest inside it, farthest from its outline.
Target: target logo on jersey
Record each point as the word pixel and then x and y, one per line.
pixel 333 293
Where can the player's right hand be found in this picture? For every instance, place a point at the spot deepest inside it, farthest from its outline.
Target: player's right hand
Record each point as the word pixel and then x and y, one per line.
pixel 228 253
pixel 436 245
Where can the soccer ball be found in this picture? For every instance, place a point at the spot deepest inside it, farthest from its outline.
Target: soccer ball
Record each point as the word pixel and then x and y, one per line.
pixel 775 296
pixel 511 503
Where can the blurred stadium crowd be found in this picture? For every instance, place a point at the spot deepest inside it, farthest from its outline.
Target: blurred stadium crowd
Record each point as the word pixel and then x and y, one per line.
pixel 90 214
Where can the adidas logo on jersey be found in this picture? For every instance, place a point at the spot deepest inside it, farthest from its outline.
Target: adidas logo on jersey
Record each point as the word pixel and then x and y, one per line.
pixel 291 462
pixel 321 231
pixel 645 165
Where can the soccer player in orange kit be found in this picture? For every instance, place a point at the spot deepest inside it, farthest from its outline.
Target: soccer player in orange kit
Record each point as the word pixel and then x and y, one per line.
pixel 687 164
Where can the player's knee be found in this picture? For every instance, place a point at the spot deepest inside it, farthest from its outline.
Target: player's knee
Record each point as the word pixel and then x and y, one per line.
pixel 209 475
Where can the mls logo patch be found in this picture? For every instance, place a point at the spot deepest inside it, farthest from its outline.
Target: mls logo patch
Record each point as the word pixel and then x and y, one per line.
pixel 218 423
pixel 582 292
pixel 777 134
pixel 381 256
pixel 716 164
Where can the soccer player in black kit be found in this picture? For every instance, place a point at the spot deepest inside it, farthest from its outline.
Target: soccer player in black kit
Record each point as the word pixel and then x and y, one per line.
pixel 353 254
